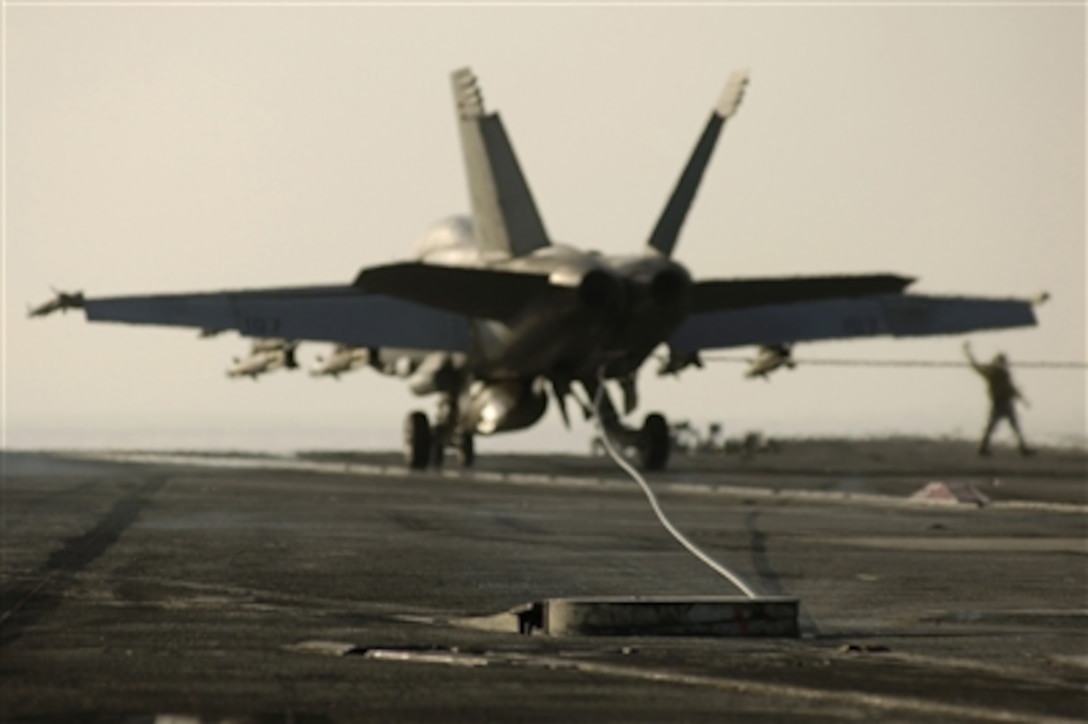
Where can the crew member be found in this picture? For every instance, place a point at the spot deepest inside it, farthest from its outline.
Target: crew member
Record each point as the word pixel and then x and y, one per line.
pixel 1003 397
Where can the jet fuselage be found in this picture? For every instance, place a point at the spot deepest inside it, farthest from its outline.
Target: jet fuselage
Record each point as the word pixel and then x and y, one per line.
pixel 597 310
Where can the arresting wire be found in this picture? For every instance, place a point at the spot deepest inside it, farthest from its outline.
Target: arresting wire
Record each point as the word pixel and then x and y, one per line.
pixel 898 363
pixel 676 534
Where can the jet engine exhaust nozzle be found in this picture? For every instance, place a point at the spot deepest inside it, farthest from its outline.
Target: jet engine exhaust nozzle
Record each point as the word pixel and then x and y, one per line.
pixel 671 286
pixel 600 290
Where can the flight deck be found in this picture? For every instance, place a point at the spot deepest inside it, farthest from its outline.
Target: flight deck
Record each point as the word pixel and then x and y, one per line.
pixel 338 587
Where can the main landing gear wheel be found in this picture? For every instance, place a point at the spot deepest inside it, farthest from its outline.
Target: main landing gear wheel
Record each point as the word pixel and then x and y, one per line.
pixel 653 447
pixel 417 440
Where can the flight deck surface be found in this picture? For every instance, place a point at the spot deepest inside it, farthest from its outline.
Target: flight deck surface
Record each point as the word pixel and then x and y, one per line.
pixel 331 587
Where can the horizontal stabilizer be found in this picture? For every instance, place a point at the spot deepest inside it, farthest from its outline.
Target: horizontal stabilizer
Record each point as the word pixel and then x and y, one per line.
pixel 721 294
pixel 896 315
pixel 331 314
pixel 469 291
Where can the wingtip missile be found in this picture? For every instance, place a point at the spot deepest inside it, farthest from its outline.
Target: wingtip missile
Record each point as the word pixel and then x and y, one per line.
pixel 62 301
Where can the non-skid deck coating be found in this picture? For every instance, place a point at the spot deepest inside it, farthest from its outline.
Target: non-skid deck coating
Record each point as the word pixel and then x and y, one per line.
pixel 132 590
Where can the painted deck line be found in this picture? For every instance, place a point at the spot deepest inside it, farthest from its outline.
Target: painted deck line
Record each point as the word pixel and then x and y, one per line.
pixel 569 481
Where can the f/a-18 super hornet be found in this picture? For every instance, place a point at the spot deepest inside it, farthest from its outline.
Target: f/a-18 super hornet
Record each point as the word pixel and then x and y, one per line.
pixel 493 317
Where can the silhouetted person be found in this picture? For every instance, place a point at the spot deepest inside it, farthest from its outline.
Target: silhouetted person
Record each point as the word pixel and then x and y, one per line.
pixel 1003 397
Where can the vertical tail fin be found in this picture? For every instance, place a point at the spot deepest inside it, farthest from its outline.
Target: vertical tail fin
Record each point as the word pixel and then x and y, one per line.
pixel 664 236
pixel 504 215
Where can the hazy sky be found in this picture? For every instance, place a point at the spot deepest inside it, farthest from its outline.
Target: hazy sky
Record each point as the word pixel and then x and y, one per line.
pixel 194 148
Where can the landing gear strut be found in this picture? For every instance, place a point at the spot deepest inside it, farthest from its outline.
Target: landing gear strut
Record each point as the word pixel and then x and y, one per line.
pixel 651 442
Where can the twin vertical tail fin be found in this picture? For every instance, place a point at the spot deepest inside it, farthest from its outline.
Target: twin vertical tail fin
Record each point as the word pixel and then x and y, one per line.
pixel 504 215
pixel 664 236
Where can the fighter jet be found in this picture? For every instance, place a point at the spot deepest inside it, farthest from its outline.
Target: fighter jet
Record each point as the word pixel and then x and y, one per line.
pixel 494 317
pixel 62 301
pixel 265 355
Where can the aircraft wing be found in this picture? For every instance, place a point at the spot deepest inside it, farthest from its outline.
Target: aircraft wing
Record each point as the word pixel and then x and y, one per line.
pixel 715 295
pixel 896 315
pixel 341 314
